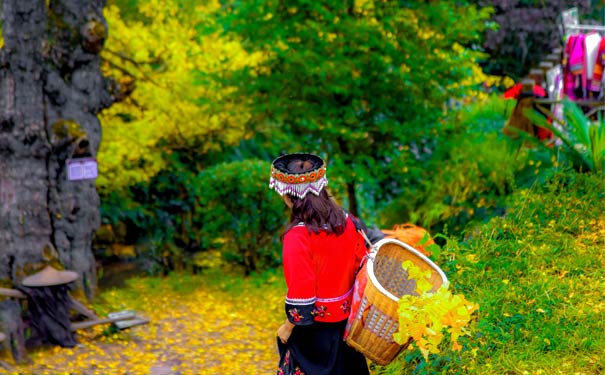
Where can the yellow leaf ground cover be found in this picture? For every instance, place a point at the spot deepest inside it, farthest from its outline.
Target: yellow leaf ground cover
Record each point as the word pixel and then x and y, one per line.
pixel 198 326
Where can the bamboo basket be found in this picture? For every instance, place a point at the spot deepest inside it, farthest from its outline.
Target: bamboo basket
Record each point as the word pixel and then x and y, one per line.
pixel 372 326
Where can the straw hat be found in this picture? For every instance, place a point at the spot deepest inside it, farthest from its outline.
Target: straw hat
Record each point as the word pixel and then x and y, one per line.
pixel 49 276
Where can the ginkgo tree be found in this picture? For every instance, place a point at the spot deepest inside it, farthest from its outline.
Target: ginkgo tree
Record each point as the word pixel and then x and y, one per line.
pixel 159 58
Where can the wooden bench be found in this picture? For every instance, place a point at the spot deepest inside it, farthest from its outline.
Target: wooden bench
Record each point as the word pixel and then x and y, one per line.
pixel 121 319
pixel 127 318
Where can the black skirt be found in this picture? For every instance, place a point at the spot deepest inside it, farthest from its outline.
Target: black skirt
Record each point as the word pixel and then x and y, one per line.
pixel 318 349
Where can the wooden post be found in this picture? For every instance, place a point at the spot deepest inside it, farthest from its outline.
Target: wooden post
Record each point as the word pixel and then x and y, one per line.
pixel 3 364
pixel 527 86
pixel 13 326
pixel 517 119
pixel 537 75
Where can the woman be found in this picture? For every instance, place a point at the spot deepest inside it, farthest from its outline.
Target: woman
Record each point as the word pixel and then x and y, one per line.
pixel 321 253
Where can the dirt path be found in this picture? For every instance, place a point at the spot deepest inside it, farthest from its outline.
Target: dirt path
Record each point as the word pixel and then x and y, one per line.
pixel 198 332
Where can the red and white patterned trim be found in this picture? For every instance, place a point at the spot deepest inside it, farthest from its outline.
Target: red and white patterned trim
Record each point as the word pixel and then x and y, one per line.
pixel 336 299
pixel 301 301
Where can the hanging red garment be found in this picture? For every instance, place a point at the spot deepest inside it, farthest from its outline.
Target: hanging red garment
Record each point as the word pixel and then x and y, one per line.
pixel 544 134
pixel 518 120
pixel 515 92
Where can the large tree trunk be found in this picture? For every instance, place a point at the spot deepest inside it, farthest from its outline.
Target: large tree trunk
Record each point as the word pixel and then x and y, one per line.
pixel 353 209
pixel 51 89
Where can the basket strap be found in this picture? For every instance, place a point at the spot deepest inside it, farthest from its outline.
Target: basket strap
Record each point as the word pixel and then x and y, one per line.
pixel 365 237
pixel 359 226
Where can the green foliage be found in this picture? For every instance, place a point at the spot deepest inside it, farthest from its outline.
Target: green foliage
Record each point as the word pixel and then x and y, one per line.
pixel 240 214
pixel 467 177
pixel 386 92
pixel 188 220
pixel 536 274
pixel 160 216
pixel 583 140
pixel 468 185
pixel 350 81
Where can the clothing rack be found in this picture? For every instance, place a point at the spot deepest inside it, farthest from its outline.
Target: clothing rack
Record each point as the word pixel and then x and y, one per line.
pixel 583 102
pixel 586 27
pixel 549 75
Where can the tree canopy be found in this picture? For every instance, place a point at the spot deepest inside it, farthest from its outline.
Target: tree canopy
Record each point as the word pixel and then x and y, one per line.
pixel 357 82
pixel 156 54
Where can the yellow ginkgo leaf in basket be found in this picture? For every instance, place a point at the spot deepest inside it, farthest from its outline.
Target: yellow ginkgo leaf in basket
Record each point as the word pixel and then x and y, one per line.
pixel 426 317
pixel 421 277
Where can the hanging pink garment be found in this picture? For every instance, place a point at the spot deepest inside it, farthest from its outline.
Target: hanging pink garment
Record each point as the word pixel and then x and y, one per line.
pixel 575 75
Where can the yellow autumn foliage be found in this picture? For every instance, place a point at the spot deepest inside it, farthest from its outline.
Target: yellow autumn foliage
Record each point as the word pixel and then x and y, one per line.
pixel 426 317
pixel 167 62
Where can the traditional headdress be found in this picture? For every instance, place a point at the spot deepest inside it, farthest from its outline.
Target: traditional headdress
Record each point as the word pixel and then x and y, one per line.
pixel 298 174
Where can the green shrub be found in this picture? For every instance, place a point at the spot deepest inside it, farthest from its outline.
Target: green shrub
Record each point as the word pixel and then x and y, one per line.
pixel 241 216
pixel 160 216
pixel 181 219
pixel 470 184
pixel 466 176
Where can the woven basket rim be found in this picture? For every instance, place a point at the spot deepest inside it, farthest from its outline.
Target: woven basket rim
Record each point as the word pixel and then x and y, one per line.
pixel 376 249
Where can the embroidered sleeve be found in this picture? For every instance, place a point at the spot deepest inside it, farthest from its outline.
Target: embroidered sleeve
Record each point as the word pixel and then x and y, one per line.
pixel 299 271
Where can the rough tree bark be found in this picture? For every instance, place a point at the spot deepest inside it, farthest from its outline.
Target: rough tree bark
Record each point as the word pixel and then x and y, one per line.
pixel 51 90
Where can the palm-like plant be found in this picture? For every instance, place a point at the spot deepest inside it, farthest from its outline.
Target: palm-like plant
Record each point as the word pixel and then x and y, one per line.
pixel 582 140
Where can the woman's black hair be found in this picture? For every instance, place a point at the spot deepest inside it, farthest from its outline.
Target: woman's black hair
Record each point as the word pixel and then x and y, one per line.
pixel 317 213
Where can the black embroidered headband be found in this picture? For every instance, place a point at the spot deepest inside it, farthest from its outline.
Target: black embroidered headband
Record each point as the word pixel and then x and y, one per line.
pixel 298 174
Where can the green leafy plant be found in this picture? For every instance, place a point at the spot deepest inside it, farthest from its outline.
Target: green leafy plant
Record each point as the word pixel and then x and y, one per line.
pixel 583 140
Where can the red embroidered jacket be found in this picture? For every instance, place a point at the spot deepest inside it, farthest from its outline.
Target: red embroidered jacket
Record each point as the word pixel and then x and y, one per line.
pixel 320 272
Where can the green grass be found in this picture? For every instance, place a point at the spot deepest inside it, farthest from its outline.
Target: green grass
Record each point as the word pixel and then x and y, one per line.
pixel 537 274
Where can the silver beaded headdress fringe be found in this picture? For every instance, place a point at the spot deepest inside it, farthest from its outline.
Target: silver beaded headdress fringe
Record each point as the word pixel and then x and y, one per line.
pixel 298 184
pixel 299 190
